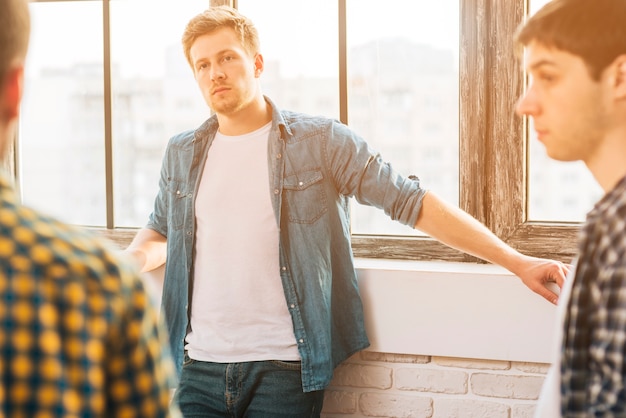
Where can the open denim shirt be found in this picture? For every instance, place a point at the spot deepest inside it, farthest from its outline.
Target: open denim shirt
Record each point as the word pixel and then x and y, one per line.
pixel 315 165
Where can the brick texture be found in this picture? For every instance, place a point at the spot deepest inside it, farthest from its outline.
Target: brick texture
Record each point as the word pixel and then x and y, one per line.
pixel 383 385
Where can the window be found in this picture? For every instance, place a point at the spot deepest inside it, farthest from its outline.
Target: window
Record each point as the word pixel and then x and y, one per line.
pixel 403 95
pixel 485 167
pixel 154 96
pixel 62 150
pixel 114 79
pixel 301 60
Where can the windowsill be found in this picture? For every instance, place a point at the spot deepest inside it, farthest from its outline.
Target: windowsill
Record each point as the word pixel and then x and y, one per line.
pixel 448 309
pixel 454 309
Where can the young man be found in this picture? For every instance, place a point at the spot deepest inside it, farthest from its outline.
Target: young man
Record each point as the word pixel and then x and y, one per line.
pixel 260 294
pixel 576 56
pixel 78 336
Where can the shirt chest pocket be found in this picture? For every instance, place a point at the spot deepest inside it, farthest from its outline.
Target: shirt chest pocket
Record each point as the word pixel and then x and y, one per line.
pixel 304 197
pixel 179 197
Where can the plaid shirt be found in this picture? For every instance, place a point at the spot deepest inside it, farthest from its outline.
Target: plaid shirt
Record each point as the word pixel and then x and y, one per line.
pixel 594 344
pixel 78 337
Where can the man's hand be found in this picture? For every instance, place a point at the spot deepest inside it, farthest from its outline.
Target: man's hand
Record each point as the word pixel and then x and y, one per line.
pixel 537 273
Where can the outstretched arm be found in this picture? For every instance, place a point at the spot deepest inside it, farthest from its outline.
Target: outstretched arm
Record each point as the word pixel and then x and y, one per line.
pixel 457 229
pixel 149 249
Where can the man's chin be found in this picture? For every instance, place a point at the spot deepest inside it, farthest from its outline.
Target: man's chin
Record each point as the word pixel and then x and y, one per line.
pixel 560 156
pixel 223 108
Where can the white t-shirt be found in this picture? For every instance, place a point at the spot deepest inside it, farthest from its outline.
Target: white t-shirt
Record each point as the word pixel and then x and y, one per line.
pixel 239 311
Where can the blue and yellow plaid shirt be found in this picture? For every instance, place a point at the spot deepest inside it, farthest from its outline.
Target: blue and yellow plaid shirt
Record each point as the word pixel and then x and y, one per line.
pixel 78 336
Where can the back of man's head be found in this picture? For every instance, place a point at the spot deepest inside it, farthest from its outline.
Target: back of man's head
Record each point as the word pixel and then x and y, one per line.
pixel 14 33
pixel 14 37
pixel 594 30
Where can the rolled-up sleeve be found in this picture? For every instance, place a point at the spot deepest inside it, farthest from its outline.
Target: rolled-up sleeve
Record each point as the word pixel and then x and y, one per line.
pixel 361 172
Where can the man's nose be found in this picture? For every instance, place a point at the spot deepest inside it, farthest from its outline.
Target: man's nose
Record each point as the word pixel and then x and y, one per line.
pixel 526 105
pixel 217 73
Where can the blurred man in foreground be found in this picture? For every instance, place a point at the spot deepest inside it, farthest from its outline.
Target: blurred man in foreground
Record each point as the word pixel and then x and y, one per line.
pixel 78 336
pixel 575 53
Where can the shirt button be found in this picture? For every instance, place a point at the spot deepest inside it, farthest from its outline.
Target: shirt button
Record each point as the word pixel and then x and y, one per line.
pixel 177 191
pixel 300 183
pixel 275 191
pixel 301 341
pixel 283 268
pixel 279 156
pixel 189 195
pixel 188 232
pixel 292 306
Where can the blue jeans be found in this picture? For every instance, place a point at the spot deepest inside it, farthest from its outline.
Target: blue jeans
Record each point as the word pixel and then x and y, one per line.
pixel 258 389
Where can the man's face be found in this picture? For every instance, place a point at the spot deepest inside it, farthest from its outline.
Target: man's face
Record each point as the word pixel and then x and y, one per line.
pixel 567 107
pixel 225 72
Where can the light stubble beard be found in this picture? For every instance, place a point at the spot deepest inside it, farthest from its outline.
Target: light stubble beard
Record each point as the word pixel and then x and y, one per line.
pixel 229 105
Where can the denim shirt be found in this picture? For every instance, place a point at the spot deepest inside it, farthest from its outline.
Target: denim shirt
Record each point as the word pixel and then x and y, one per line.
pixel 315 165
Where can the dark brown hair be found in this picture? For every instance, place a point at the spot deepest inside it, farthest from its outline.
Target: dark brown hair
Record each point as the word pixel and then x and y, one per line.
pixel 594 30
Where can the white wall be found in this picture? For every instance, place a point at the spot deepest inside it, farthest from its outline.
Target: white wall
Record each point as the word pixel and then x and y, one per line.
pixel 454 310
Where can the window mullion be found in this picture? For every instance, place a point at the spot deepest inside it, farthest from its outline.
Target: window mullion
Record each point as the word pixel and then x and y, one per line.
pixel 108 137
pixel 491 138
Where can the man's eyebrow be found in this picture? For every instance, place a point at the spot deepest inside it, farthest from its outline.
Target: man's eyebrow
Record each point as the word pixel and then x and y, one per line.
pixel 199 60
pixel 541 63
pixel 217 54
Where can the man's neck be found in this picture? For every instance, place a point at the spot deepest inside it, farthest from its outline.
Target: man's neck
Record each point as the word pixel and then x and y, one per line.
pixel 246 120
pixel 608 165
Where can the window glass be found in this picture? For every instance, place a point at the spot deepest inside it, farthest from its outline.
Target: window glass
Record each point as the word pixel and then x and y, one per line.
pixel 61 145
pixel 403 95
pixel 558 191
pixel 300 51
pixel 154 97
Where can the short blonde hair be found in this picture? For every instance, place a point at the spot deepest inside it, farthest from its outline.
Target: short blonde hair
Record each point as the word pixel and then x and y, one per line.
pixel 14 32
pixel 221 17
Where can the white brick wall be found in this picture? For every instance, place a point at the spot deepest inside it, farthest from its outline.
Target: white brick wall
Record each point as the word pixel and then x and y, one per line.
pixel 371 384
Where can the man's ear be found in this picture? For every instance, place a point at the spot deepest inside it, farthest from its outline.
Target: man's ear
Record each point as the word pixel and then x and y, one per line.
pixel 259 65
pixel 620 77
pixel 11 89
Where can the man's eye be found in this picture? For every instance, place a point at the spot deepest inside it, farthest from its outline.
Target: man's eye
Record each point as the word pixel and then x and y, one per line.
pixel 546 78
pixel 228 58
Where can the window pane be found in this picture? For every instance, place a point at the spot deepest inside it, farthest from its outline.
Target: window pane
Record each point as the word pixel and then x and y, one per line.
pixel 300 53
pixel 403 88
pixel 61 144
pixel 154 97
pixel 558 191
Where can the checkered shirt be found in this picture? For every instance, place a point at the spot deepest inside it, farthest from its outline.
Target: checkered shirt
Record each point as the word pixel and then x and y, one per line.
pixel 78 337
pixel 593 370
